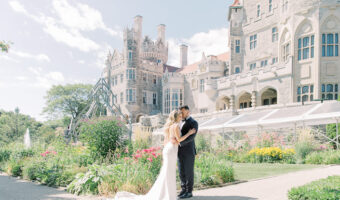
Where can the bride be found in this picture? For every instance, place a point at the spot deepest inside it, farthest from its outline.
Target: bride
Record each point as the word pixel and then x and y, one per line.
pixel 165 186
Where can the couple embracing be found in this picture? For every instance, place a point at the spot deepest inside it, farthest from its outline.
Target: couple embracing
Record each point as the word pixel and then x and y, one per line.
pixel 179 145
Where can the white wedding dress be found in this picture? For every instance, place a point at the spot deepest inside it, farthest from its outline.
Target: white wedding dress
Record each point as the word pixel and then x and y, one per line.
pixel 165 186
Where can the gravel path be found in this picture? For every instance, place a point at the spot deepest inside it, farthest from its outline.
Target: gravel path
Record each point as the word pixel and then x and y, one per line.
pixel 274 188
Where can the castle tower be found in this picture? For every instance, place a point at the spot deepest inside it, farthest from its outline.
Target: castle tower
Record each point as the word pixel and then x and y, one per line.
pixel 183 55
pixel 161 33
pixel 236 41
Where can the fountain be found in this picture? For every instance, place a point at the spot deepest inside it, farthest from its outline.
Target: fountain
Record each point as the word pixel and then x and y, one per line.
pixel 27 139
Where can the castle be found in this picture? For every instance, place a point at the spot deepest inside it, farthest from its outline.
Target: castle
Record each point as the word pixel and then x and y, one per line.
pixel 281 52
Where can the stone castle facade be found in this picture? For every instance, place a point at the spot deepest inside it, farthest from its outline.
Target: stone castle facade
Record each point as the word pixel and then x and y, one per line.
pixel 281 52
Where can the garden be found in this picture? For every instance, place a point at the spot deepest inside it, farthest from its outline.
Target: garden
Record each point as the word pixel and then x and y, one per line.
pixel 105 161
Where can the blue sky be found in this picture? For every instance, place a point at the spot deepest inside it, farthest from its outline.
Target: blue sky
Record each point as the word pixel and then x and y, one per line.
pixel 66 41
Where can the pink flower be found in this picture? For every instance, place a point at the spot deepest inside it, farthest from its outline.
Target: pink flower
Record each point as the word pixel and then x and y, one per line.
pixel 53 152
pixel 126 158
pixel 126 150
pixel 43 154
pixel 150 159
pixel 118 156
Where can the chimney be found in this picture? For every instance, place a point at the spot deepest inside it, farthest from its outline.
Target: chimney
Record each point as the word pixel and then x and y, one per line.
pixel 183 55
pixel 137 26
pixel 161 33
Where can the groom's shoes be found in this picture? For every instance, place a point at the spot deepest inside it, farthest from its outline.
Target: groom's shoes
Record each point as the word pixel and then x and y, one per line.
pixel 186 195
pixel 181 193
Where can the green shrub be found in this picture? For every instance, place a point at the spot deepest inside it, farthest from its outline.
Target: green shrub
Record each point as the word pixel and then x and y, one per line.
pixel 203 143
pixel 331 133
pixel 324 157
pixel 15 168
pixel 103 135
pixel 4 155
pixel 328 188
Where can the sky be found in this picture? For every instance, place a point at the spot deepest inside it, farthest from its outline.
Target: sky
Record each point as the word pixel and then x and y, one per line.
pixel 59 42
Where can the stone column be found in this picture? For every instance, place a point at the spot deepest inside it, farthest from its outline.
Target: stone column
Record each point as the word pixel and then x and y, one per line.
pixel 232 105
pixel 253 99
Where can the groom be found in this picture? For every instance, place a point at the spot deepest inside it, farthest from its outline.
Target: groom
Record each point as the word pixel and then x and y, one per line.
pixel 186 154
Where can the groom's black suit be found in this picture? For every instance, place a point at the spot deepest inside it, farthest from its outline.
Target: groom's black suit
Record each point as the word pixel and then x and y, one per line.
pixel 186 155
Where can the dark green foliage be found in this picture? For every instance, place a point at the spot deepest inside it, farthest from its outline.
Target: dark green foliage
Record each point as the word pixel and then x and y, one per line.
pixel 103 135
pixel 328 189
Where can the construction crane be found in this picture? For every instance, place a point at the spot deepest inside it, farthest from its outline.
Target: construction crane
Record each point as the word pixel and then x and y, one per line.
pixel 99 96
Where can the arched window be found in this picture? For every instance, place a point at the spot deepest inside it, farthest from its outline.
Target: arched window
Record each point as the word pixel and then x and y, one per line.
pixel 237 70
pixel 329 88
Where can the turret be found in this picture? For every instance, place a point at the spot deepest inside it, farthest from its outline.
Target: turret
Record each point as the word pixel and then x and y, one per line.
pixel 183 55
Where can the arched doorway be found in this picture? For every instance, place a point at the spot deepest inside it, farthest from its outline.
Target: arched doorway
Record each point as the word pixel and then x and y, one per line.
pixel 223 103
pixel 138 118
pixel 244 101
pixel 269 97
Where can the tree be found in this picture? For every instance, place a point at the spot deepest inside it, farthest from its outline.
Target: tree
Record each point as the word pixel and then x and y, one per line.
pixel 68 100
pixel 14 124
pixel 4 46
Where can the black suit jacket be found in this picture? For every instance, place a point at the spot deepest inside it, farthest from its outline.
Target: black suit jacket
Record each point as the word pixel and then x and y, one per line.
pixel 188 146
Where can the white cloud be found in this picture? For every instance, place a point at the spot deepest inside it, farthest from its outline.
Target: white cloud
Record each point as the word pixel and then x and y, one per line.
pixel 213 42
pixel 69 23
pixel 6 57
pixel 21 78
pixel 46 80
pixel 102 55
pixel 81 62
pixel 39 57
pixel 17 7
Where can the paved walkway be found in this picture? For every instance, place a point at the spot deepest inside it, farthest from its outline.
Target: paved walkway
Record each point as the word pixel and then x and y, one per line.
pixel 16 189
pixel 274 188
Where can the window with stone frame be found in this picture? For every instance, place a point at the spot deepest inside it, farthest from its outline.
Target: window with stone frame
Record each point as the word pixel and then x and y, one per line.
pixel 122 97
pixel 264 63
pixel 237 46
pixel 275 34
pixel 285 51
pixel 306 47
pixel 201 85
pixel 305 93
pixel 252 66
pixel 258 11
pixel 130 56
pixel 203 110
pixel 270 6
pixel 144 76
pixel 121 78
pixel 144 97
pixel 237 70
pixel 330 91
pixel 116 80
pixel 154 98
pixel 330 44
pixel 130 95
pixel 253 41
pixel 167 101
pixel 130 74
pixel 274 60
pixel 154 80
pixel 175 99
pixel 284 5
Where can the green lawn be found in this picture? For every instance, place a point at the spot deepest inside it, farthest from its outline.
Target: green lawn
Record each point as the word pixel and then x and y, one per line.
pixel 248 171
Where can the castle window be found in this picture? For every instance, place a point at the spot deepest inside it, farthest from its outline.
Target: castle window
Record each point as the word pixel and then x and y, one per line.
pixel 130 56
pixel 130 74
pixel 330 47
pixel 237 48
pixel 116 80
pixel 286 52
pixel 203 110
pixel 275 34
pixel 307 91
pixel 130 95
pixel 154 98
pixel 167 101
pixel 144 76
pixel 121 97
pixel 253 39
pixel 270 8
pixel 329 88
pixel 306 47
pixel 144 97
pixel 154 79
pixel 274 60
pixel 263 63
pixel 258 13
pixel 121 78
pixel 252 66
pixel 201 85
pixel 174 100
pixel 284 5
pixel 237 70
